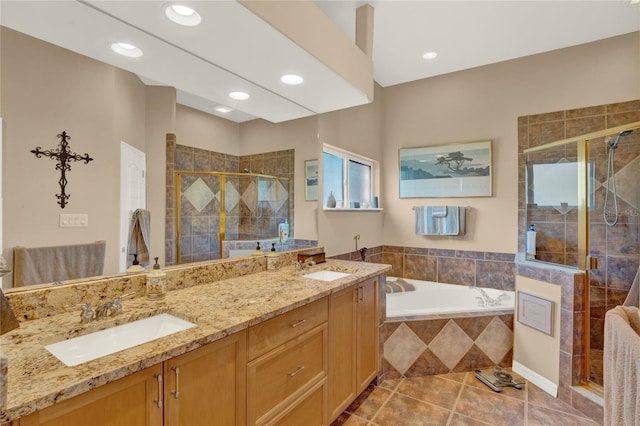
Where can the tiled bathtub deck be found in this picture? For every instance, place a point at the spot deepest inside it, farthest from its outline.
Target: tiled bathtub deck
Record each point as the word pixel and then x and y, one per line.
pixel 456 399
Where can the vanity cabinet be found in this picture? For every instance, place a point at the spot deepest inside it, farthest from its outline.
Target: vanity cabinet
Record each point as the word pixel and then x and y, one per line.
pixel 204 386
pixel 353 343
pixel 132 400
pixel 207 386
pixel 287 369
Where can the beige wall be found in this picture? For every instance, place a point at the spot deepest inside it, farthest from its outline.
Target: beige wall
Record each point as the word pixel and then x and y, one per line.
pixel 484 103
pixel 205 131
pixel 533 349
pixel 46 90
pixel 358 130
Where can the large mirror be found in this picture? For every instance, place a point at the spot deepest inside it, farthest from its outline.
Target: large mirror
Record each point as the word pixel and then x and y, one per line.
pixel 47 90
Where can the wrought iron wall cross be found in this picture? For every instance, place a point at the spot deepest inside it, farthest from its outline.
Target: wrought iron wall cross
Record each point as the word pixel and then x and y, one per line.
pixel 64 156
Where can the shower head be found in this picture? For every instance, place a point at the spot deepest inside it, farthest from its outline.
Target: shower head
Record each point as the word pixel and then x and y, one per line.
pixel 614 144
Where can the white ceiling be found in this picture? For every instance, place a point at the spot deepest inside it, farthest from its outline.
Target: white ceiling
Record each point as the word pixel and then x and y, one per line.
pixel 235 50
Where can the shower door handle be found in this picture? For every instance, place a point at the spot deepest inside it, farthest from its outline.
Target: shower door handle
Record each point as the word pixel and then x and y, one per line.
pixel 592 263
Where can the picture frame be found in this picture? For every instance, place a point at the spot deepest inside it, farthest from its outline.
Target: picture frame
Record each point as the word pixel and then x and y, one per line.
pixel 451 170
pixel 311 180
pixel 535 312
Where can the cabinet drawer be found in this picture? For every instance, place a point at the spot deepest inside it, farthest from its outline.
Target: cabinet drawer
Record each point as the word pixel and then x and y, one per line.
pixel 308 410
pixel 272 333
pixel 280 376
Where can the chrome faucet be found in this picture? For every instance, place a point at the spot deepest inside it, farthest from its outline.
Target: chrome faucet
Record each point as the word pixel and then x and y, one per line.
pixel 487 300
pixel 307 263
pixel 108 308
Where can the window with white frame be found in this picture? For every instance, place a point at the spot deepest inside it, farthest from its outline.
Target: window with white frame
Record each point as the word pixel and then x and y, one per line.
pixel 347 177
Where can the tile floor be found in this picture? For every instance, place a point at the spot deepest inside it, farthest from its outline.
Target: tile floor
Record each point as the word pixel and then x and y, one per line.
pixel 456 399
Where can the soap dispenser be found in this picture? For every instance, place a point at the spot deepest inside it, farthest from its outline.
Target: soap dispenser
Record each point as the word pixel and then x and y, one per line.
pixel 156 283
pixel 273 259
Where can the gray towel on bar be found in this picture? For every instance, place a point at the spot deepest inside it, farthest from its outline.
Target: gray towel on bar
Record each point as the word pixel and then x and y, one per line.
pixel 39 265
pixel 139 237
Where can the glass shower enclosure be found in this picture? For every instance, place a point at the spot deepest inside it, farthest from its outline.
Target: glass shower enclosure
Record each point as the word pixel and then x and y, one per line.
pixel 583 198
pixel 214 209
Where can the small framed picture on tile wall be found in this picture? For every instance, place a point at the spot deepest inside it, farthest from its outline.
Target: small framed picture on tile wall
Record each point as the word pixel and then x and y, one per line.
pixel 535 312
pixel 311 180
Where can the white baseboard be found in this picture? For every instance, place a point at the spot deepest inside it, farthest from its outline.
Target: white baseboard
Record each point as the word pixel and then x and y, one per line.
pixel 542 382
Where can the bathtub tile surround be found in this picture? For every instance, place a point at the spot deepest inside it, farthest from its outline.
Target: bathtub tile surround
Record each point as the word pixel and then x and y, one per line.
pixel 456 399
pixel 446 345
pixel 484 269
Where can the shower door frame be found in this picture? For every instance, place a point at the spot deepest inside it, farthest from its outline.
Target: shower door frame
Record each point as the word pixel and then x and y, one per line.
pixel 223 212
pixel 585 262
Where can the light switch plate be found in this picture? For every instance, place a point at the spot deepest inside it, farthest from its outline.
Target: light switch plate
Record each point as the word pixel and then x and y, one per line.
pixel 78 220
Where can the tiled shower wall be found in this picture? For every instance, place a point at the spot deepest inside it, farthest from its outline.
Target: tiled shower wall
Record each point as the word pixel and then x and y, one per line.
pixel 249 219
pixel 618 247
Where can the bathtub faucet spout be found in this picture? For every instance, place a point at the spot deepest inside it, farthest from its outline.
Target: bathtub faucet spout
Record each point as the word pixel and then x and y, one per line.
pixel 487 300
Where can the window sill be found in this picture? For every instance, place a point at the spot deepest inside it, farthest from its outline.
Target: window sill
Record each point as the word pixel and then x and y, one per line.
pixel 340 209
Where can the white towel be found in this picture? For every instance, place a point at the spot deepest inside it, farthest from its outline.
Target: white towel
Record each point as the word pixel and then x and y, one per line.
pixel 622 367
pixel 58 263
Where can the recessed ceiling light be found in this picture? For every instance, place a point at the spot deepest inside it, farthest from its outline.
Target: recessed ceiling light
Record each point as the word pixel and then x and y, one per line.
pixel 239 96
pixel 430 55
pixel 183 15
pixel 291 79
pixel 126 49
pixel 223 109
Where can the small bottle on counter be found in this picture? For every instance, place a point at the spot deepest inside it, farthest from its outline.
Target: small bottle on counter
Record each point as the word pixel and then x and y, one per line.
pixel 156 283
pixel 273 259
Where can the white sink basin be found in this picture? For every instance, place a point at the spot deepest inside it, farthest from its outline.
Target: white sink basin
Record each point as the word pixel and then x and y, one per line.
pixel 104 342
pixel 326 275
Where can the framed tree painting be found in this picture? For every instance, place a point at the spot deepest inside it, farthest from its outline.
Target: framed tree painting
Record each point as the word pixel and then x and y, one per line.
pixel 453 170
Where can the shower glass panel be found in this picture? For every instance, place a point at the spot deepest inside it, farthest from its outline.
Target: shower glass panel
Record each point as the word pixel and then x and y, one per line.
pixel 614 231
pixel 216 207
pixel 583 198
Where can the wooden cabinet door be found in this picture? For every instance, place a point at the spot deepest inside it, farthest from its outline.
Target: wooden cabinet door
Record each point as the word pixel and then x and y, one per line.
pixel 132 400
pixel 367 333
pixel 341 380
pixel 207 386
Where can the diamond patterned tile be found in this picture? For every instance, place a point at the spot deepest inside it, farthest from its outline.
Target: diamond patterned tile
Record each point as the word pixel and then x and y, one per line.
pixel 426 364
pixel 281 196
pixel 199 194
pixel 427 330
pixel 450 344
pixel 231 197
pixel 627 181
pixel 473 326
pixel 250 196
pixel 403 348
pixel 495 340
pixel 474 358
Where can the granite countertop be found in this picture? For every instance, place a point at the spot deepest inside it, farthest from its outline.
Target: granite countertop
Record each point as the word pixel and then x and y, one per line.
pixel 37 379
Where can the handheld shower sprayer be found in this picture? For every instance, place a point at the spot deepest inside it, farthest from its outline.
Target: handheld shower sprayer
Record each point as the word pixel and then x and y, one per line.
pixel 614 144
pixel 611 181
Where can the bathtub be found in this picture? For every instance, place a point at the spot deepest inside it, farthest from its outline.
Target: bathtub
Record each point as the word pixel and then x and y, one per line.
pixel 441 328
pixel 438 298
